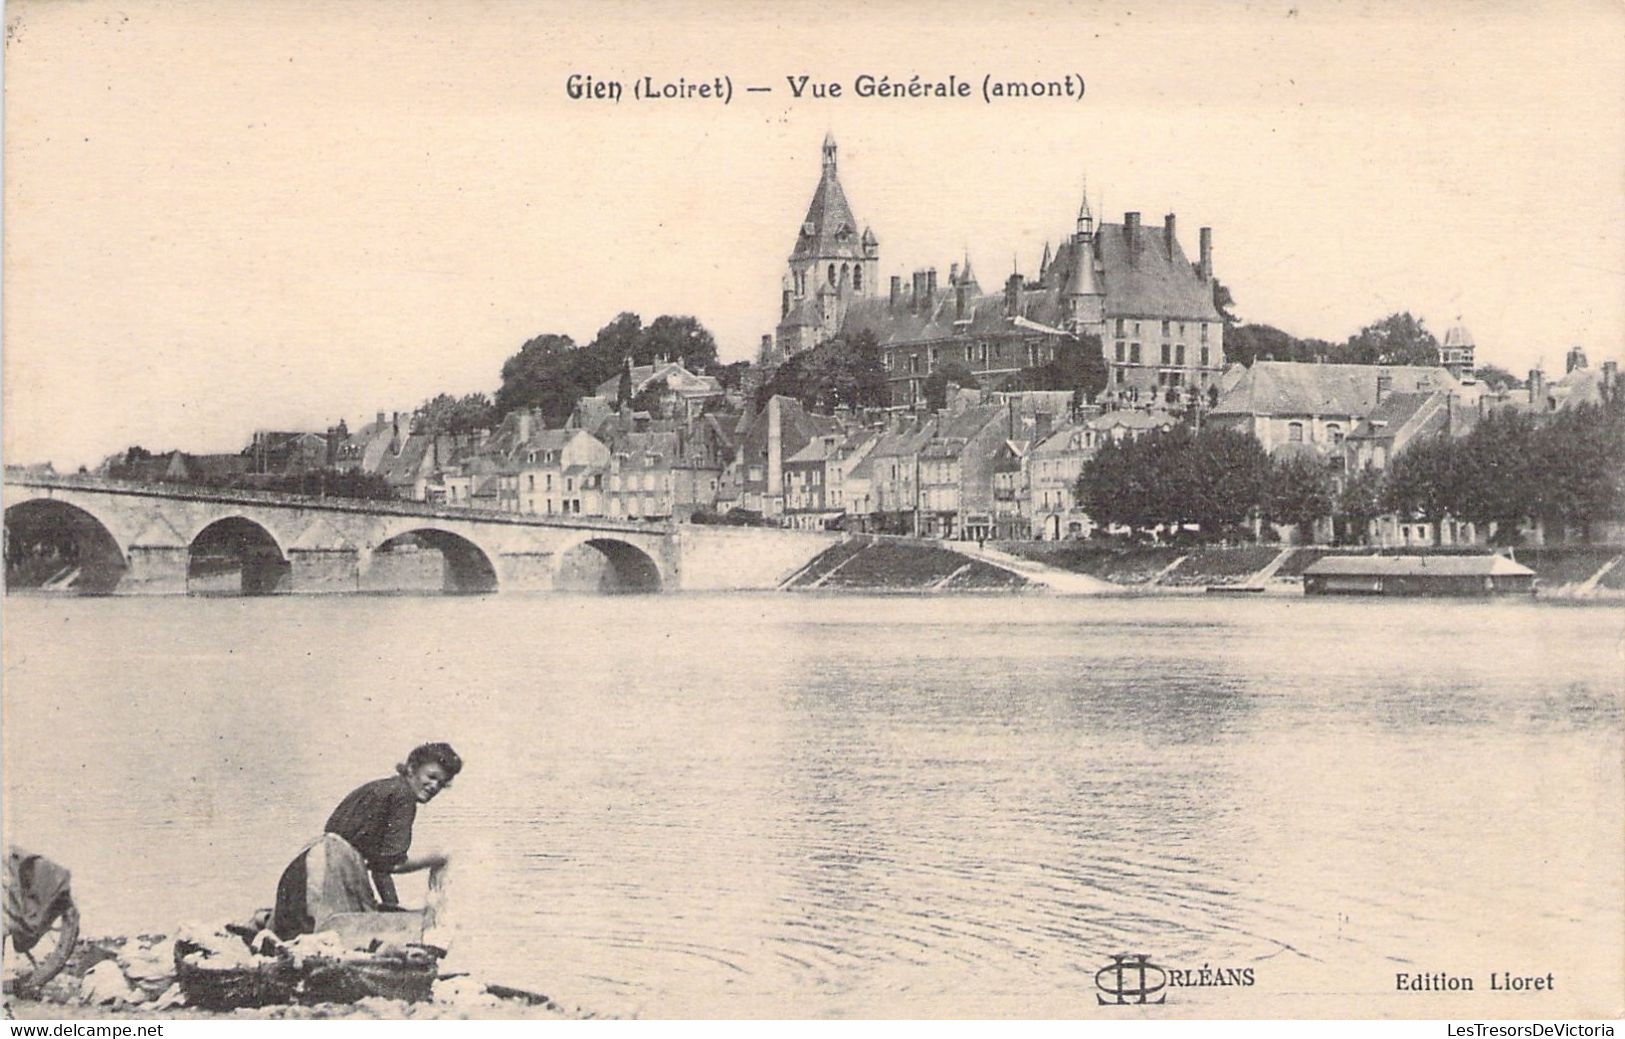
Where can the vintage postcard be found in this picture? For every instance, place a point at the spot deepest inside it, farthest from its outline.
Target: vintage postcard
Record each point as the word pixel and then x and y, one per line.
pixel 740 510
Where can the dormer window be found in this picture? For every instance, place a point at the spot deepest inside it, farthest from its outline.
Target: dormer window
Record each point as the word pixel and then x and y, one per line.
pixel 807 229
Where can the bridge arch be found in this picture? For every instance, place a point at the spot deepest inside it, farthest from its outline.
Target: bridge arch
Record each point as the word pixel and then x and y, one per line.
pixel 465 567
pixel 236 555
pixel 55 545
pixel 605 563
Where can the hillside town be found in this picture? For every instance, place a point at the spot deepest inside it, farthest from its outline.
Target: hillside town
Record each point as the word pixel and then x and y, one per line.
pixel 980 417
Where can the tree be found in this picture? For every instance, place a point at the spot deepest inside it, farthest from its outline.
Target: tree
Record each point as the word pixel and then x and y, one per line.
pixel 838 373
pixel 447 414
pixel 677 338
pixel 1300 492
pixel 1215 479
pixel 935 387
pixel 1079 366
pixel 530 376
pixel 1396 339
pixel 1245 344
pixel 1224 303
pixel 1495 375
pixel 1360 502
pixel 1580 455
pixel 1422 481
pixel 551 372
pixel 732 376
pixel 1496 476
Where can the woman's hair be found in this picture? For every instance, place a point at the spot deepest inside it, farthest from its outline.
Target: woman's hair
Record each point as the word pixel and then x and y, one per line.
pixel 432 753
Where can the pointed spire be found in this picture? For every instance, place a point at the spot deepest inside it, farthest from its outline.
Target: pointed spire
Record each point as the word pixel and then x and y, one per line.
pixel 1043 265
pixel 967 276
pixel 1086 219
pixel 829 151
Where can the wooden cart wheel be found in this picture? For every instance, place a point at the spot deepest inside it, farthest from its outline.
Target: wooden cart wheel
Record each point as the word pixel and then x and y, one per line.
pixel 53 950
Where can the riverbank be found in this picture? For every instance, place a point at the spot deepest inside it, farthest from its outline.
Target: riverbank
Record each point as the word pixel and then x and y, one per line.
pixel 1580 572
pixel 134 977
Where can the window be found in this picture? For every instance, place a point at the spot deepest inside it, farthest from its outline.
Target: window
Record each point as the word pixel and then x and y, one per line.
pixel 1121 347
pixel 1167 352
pixel 832 274
pixel 1134 353
pixel 1204 331
pixel 932 355
pixel 1136 328
pixel 970 353
pixel 857 278
pixel 1119 376
pixel 1204 357
pixel 1182 328
pixel 569 483
pixel 1294 432
pixel 1179 354
pixel 1119 328
pixel 1334 432
pixel 1167 326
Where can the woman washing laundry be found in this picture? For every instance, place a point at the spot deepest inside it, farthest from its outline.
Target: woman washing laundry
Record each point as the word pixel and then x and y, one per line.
pixel 370 832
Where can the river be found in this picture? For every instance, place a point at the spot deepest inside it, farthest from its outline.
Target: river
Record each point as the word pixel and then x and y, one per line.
pixel 805 805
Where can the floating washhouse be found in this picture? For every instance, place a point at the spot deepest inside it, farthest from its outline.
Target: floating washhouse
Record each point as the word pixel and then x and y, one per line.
pixel 1418 575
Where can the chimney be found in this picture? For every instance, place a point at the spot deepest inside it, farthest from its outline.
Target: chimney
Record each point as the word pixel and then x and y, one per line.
pixel 919 291
pixel 896 289
pixel 1168 233
pixel 784 302
pixel 931 283
pixel 959 302
pixel 524 426
pixel 1385 386
pixel 380 420
pixel 1537 389
pixel 953 274
pixel 1041 425
pixel 775 457
pixel 1012 295
pixel 1205 269
pixel 1131 234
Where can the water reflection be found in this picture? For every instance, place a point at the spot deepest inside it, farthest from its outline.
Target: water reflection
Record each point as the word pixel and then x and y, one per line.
pixel 759 805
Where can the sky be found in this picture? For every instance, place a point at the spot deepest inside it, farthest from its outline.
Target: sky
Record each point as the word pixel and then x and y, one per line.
pixel 273 214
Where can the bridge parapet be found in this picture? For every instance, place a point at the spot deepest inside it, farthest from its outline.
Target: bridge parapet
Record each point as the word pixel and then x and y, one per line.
pixel 370 506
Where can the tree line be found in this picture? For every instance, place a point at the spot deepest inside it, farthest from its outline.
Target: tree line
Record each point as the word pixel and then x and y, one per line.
pixel 1215 484
pixel 1567 471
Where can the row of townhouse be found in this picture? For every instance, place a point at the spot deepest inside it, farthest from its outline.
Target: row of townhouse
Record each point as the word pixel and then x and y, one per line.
pixel 988 466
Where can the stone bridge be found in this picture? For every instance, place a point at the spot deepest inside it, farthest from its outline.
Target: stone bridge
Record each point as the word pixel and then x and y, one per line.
pixel 102 536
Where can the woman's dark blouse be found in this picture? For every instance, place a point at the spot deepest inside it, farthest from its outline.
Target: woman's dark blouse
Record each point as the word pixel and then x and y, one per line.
pixel 377 821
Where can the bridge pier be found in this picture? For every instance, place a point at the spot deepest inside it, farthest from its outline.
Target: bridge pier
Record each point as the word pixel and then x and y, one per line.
pixel 155 570
pixel 316 571
pixel 526 572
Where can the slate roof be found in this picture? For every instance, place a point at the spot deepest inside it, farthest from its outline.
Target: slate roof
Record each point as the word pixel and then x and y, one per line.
pixel 1060 441
pixel 1150 282
pixel 1419 566
pixel 1458 336
pixel 1293 388
pixel 1131 420
pixel 644 374
pixel 829 229
pixel 1147 282
pixel 1395 411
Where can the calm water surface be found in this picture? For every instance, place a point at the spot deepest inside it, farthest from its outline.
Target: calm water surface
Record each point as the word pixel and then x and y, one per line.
pixel 866 806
